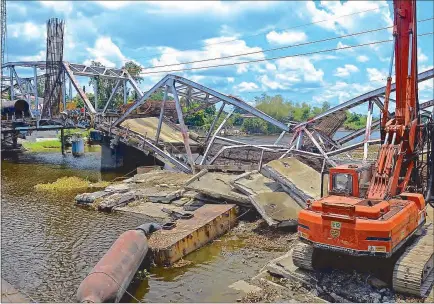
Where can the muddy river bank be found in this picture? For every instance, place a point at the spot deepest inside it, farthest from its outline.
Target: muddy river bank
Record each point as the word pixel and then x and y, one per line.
pixel 49 244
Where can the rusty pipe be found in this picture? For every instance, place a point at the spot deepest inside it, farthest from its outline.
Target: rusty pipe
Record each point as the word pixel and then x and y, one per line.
pixel 111 276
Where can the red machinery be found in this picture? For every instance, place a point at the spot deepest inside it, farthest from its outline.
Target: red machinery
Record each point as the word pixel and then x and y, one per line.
pixel 376 210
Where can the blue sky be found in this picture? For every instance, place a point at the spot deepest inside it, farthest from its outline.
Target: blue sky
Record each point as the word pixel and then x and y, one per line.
pixel 161 33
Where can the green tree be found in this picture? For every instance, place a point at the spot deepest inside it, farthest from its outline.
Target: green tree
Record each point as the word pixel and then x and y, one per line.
pixel 325 106
pixel 106 85
pixel 254 126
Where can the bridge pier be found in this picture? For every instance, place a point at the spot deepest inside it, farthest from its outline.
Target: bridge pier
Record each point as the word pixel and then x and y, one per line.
pixel 111 157
pixel 123 157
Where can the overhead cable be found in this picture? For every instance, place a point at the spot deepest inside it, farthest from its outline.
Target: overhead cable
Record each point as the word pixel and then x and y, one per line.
pixel 285 29
pixel 277 57
pixel 278 48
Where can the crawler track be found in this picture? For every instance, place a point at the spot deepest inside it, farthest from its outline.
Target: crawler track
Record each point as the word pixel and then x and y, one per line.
pixel 414 271
pixel 302 256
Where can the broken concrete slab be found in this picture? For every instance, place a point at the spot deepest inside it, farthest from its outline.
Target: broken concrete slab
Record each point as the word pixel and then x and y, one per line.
pixel 157 194
pixel 297 179
pixel 118 188
pixel 276 208
pixel 193 205
pixel 149 210
pixel 283 266
pixel 90 198
pixel 161 177
pixel 117 200
pixel 254 182
pixel 179 202
pixel 244 287
pixel 217 185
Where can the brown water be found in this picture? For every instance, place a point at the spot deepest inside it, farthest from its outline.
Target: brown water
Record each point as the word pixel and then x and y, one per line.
pixel 49 245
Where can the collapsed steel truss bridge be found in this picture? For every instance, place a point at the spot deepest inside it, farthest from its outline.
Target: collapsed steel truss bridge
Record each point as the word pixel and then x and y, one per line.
pixel 313 138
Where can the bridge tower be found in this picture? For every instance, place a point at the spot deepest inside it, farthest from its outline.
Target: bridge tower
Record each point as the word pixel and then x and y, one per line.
pixel 54 79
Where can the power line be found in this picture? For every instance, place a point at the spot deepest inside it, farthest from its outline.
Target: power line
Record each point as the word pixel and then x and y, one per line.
pixel 289 28
pixel 270 50
pixel 279 48
pixel 278 57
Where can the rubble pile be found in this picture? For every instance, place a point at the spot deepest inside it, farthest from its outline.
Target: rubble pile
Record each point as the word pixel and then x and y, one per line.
pixel 168 195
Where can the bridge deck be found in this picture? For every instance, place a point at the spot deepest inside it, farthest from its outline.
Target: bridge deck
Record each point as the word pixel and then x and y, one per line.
pixel 147 127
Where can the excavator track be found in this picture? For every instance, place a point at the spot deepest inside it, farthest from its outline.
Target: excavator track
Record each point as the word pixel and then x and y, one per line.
pixel 302 256
pixel 414 271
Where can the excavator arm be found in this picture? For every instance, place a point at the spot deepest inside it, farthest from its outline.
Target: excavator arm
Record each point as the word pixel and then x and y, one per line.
pixel 397 157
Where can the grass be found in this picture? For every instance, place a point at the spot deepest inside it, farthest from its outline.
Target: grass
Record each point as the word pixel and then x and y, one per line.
pixel 70 183
pixel 41 146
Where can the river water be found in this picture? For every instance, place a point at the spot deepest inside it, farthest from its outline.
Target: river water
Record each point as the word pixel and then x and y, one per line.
pixel 49 245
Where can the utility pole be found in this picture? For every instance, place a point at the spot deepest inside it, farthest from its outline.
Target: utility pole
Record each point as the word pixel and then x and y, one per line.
pixel 3 37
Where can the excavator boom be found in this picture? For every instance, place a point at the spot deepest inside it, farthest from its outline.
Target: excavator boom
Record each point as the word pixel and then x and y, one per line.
pixel 400 133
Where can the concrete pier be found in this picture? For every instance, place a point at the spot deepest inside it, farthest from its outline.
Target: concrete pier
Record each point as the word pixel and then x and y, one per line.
pixel 126 157
pixel 111 158
pixel 11 295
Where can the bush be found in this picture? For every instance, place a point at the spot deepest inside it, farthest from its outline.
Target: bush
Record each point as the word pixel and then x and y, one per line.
pixel 254 126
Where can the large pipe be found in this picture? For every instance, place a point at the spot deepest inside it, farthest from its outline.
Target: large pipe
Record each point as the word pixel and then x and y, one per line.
pixel 19 107
pixel 111 276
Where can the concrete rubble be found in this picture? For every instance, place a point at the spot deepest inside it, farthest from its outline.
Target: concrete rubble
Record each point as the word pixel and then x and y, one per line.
pixel 299 180
pixel 165 195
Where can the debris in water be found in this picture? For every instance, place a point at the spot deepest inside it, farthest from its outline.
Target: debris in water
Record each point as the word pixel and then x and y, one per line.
pixel 71 183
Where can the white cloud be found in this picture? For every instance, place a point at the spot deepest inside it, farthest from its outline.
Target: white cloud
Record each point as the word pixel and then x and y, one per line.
pixel 27 31
pixel 17 8
pixel 246 87
pixel 242 68
pixel 342 91
pixel 332 11
pixel 302 67
pixel 346 70
pixel 426 85
pixel 40 56
pixel 270 84
pixel 345 48
pixel 170 56
pixel 223 8
pixel 287 72
pixel 270 66
pixel 421 57
pixel 113 5
pixel 375 75
pixel 59 6
pixel 106 52
pixel 362 58
pixel 230 79
pixel 286 37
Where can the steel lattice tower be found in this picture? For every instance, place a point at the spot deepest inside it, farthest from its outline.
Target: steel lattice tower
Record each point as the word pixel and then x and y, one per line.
pixel 53 78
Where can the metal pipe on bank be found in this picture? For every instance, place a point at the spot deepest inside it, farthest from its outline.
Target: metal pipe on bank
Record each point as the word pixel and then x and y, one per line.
pixel 111 276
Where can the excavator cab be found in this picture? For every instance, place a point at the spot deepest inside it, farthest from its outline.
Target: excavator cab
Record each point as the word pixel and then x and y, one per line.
pixel 350 179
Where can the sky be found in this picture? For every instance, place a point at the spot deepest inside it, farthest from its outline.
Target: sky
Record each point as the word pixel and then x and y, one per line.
pixel 156 34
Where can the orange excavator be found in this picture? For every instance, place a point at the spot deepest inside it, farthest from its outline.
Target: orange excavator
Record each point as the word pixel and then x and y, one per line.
pixel 379 210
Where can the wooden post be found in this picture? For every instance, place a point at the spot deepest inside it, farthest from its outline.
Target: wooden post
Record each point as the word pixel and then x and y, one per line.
pixel 62 142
